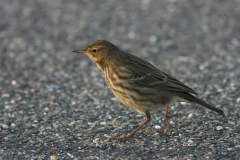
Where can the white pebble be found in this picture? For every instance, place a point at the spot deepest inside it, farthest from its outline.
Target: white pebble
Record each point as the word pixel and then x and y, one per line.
pixel 153 39
pixel 157 127
pixel 98 106
pixel 70 155
pixel 90 123
pixel 85 92
pixel 131 34
pixel 183 103
pixel 103 123
pixel 190 141
pixel 8 106
pixel 105 135
pixel 190 115
pixel 219 128
pixel 13 125
pixel 201 67
pixel 114 99
pixel 14 82
pixel 238 100
pixel 5 126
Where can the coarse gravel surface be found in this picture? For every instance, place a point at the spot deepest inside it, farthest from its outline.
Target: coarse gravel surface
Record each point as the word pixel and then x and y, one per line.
pixel 55 104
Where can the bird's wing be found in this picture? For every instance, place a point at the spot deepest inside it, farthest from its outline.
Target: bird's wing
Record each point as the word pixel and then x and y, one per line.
pixel 163 82
pixel 145 74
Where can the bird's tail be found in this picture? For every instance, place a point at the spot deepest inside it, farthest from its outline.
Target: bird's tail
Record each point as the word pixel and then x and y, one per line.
pixel 194 99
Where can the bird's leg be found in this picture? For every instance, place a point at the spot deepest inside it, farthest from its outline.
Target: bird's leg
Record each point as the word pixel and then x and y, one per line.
pixel 166 118
pixel 123 139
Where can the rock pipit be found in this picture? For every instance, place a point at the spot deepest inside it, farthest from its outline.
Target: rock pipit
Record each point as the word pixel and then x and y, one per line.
pixel 138 84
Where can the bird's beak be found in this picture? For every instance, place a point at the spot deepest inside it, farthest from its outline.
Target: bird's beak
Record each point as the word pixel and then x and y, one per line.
pixel 80 51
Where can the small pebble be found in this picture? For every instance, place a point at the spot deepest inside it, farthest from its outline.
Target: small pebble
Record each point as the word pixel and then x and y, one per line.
pixel 131 34
pixel 5 95
pixel 183 103
pixel 114 99
pixel 238 100
pixel 219 128
pixel 14 82
pixel 153 39
pixel 34 125
pixel 5 126
pixel 6 138
pixel 190 115
pixel 190 141
pixel 70 155
pixel 103 123
pixel 157 127
pixel 13 125
pixel 53 157
pixel 105 135
pixel 73 102
pixel 201 67
pixel 12 101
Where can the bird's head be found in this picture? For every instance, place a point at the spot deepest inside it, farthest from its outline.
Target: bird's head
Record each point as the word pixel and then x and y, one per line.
pixel 98 51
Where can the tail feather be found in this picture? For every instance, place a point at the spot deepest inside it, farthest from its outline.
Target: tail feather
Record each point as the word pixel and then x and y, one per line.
pixel 194 99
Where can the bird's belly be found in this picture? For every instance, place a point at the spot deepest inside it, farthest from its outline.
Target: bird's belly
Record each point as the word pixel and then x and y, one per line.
pixel 123 95
pixel 136 99
pixel 140 98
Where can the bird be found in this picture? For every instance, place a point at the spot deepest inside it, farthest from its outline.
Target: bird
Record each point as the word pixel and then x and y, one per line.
pixel 138 84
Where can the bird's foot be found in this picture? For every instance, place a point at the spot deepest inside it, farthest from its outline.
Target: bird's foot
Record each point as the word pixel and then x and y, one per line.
pixel 166 118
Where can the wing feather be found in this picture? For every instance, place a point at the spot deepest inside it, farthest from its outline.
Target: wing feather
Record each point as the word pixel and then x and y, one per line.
pixel 145 74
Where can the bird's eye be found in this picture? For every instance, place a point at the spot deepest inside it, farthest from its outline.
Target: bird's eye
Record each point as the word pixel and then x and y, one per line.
pixel 94 50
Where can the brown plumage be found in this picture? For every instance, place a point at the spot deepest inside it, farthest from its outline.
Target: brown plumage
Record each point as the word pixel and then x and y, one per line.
pixel 138 84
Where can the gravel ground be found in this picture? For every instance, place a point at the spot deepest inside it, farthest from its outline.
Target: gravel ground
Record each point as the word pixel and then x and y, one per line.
pixel 55 104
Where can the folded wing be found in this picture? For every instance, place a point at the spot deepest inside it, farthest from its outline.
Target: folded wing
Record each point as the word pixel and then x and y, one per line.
pixel 149 76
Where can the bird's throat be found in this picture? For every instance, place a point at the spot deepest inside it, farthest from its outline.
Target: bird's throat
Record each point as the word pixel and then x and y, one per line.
pixel 100 64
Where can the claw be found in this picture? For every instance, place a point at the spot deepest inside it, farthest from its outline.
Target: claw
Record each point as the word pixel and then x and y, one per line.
pixel 124 139
pixel 166 118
